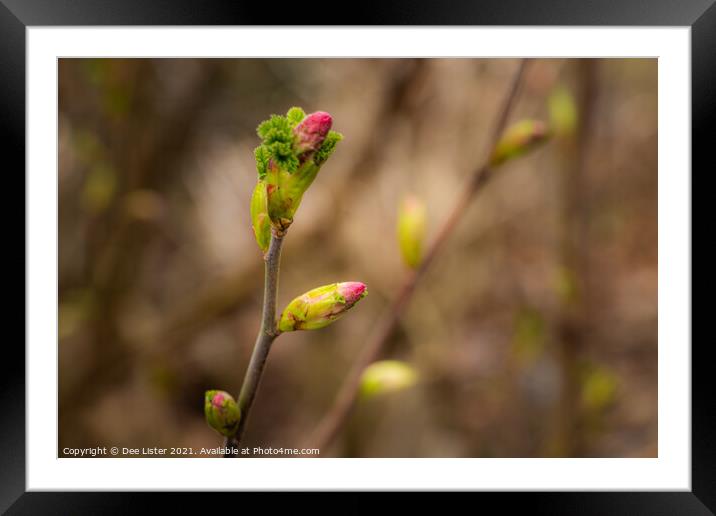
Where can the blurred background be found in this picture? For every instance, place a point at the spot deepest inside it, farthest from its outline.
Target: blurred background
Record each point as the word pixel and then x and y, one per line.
pixel 534 333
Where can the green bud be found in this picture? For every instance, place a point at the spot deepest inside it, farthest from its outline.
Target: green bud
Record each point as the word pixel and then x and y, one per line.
pixel 285 191
pixel 411 230
pixel 293 149
pixel 222 413
pixel 518 139
pixel 599 387
pixel 321 306
pixel 387 376
pixel 562 111
pixel 259 216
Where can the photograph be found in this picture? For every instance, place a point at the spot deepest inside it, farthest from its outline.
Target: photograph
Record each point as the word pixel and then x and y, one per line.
pixel 357 257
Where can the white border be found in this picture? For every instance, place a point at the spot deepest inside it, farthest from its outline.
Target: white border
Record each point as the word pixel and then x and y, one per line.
pixel 670 471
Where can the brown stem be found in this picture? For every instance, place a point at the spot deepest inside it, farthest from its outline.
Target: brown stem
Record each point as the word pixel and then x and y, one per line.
pixel 329 426
pixel 267 334
pixel 567 440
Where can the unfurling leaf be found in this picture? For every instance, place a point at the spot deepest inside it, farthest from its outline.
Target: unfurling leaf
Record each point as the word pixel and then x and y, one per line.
pixel 259 216
pixel 292 151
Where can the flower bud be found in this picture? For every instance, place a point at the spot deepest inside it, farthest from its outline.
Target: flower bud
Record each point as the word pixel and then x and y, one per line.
pixel 321 306
pixel 599 388
pixel 259 216
pixel 562 111
pixel 518 139
pixel 411 230
pixel 293 149
pixel 386 376
pixel 222 413
pixel 311 132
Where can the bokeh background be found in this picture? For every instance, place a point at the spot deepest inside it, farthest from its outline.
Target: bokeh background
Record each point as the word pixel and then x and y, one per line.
pixel 534 332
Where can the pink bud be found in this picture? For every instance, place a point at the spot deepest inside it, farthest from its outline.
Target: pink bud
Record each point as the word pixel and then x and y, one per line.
pixel 352 291
pixel 312 130
pixel 221 411
pixel 321 306
pixel 218 400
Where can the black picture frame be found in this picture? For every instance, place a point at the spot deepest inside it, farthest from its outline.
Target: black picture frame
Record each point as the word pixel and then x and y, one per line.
pixel 17 15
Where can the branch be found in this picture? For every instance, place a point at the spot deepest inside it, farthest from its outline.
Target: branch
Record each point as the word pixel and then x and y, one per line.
pixel 332 422
pixel 225 295
pixel 267 334
pixel 565 436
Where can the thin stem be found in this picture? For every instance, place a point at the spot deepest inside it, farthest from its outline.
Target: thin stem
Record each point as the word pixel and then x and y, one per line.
pixel 267 334
pixel 332 422
pixel 566 440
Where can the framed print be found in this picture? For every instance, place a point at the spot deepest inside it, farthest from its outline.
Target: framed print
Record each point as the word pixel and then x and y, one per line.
pixel 436 250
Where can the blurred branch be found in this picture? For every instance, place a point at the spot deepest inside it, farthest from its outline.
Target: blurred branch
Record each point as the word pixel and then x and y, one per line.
pixel 118 259
pixel 228 292
pixel 566 440
pixel 329 426
pixel 117 263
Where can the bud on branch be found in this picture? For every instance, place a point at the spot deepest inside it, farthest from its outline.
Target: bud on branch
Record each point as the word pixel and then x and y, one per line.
pixel 386 376
pixel 411 230
pixel 222 413
pixel 518 139
pixel 321 306
pixel 312 131
pixel 562 111
pixel 293 149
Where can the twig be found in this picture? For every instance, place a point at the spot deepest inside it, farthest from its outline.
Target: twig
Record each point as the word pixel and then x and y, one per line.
pixel 227 293
pixel 329 426
pixel 267 334
pixel 223 296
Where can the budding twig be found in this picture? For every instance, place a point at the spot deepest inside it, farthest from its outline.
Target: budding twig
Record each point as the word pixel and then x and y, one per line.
pixel 293 149
pixel 267 334
pixel 332 422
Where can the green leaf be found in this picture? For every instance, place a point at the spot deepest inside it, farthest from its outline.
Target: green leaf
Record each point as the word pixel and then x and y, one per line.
pixel 278 138
pixel 327 148
pixel 260 221
pixel 295 115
